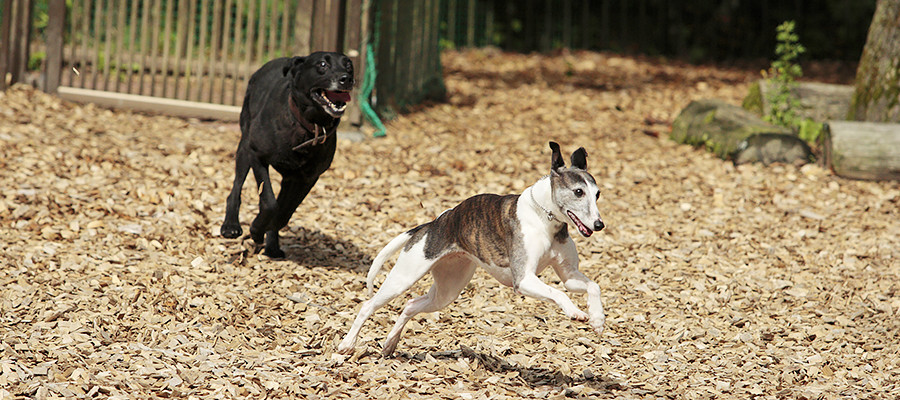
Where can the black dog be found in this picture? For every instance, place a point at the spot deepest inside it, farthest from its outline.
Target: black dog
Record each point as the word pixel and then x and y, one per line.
pixel 289 121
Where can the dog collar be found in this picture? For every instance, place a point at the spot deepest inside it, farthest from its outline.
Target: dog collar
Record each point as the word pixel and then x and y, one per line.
pixel 316 130
pixel 550 216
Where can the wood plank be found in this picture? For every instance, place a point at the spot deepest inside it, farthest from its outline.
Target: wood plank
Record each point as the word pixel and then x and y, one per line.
pixel 261 33
pixel 95 47
pixel 303 27
pixel 155 66
pixel 248 50
pixel 180 38
pixel 73 43
pixel 272 32
pixel 167 31
pixel 55 31
pixel 227 22
pixel 108 38
pixel 215 50
pixel 189 51
pixel 353 45
pixel 182 108
pixel 285 28
pixel 132 23
pixel 120 39
pixel 238 42
pixel 202 50
pixel 85 49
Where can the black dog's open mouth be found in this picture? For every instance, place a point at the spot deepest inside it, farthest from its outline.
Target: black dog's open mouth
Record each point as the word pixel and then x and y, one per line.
pixel 581 226
pixel 334 102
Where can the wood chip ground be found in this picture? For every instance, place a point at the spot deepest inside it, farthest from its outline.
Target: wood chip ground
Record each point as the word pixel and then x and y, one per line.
pixel 718 281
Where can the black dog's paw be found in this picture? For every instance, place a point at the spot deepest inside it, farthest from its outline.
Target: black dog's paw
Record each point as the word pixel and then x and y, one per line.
pixel 231 231
pixel 258 237
pixel 274 253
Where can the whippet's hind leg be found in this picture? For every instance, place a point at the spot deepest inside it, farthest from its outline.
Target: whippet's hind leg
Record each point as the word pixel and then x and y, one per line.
pixel 451 274
pixel 410 267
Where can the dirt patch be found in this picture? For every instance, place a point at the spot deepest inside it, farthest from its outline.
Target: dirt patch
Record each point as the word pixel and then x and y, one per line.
pixel 718 281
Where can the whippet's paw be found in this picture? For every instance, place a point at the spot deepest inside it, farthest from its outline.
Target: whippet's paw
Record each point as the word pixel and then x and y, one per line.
pixel 598 326
pixel 577 315
pixel 345 348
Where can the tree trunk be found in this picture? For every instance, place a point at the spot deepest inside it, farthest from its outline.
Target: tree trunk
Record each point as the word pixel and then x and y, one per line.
pixel 877 96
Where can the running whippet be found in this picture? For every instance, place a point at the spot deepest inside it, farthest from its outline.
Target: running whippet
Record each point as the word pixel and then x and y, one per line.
pixel 513 237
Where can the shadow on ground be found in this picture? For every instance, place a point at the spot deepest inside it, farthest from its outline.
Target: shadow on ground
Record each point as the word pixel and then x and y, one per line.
pixel 315 249
pixel 534 376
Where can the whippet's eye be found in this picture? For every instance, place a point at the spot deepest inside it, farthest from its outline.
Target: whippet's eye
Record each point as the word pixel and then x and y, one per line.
pixel 598 195
pixel 578 192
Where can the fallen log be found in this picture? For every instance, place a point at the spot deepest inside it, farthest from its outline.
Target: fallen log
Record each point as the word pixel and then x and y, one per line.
pixel 732 133
pixel 862 150
pixel 818 101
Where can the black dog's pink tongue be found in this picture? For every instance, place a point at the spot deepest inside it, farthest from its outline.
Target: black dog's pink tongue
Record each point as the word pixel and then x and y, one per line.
pixel 343 97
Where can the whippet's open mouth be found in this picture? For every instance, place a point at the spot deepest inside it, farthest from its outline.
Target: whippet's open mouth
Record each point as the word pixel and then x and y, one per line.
pixel 585 231
pixel 334 102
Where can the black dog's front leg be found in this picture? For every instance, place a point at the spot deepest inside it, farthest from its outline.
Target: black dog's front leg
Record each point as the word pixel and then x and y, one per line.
pixel 231 228
pixel 268 207
pixel 293 191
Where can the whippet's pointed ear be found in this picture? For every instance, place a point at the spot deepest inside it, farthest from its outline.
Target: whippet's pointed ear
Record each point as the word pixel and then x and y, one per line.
pixel 579 158
pixel 295 62
pixel 556 160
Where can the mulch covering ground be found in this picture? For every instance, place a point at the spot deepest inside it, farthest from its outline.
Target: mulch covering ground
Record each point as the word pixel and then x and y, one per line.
pixel 718 281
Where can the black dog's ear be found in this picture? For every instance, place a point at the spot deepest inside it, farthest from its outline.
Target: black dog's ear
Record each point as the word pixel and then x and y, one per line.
pixel 579 158
pixel 295 62
pixel 556 160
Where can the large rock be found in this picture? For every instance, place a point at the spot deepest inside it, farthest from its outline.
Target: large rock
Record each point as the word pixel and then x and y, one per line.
pixel 733 133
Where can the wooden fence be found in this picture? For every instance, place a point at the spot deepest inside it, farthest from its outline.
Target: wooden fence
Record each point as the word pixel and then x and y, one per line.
pixel 408 54
pixel 194 57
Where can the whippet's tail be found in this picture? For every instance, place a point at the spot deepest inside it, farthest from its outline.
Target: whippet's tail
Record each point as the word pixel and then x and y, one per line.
pixel 392 247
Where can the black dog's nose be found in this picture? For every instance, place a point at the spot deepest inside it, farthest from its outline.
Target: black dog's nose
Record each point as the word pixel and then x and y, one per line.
pixel 598 225
pixel 345 79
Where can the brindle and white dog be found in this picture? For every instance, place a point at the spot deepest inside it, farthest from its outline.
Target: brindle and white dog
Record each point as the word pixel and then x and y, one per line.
pixel 513 237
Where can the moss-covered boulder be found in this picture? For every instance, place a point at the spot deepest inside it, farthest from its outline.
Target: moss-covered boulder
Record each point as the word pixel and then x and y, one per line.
pixel 733 133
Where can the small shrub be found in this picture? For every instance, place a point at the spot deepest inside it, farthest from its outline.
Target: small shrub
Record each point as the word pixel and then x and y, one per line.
pixel 783 75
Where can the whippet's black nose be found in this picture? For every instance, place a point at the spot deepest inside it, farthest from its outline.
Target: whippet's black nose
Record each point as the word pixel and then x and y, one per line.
pixel 598 225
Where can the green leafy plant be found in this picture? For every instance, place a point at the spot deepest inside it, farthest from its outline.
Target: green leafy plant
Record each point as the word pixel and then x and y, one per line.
pixel 783 75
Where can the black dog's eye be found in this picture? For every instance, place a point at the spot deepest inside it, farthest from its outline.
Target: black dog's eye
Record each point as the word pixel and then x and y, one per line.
pixel 578 192
pixel 323 64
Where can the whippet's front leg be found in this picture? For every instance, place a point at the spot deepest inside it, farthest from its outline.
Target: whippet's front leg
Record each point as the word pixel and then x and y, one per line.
pixel 576 281
pixel 531 285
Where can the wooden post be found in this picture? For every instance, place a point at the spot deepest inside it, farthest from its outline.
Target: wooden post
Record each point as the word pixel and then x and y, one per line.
pixel 354 49
pixel 17 34
pixel 5 39
pixel 55 29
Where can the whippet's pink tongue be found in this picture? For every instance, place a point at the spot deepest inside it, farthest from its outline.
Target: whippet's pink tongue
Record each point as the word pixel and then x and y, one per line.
pixel 343 97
